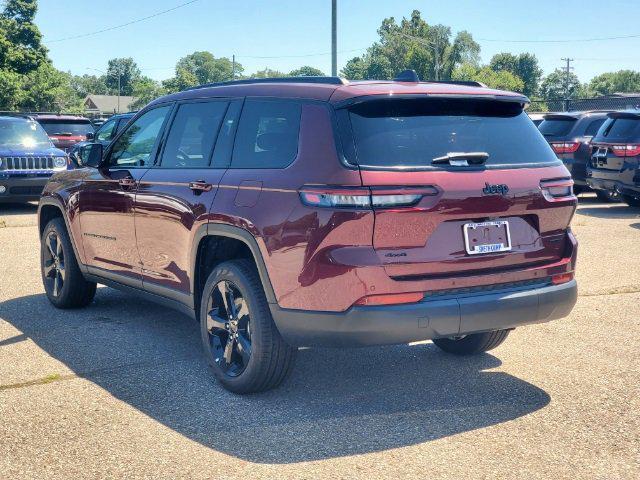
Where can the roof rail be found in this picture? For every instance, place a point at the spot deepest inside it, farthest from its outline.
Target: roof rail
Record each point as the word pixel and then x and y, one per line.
pixel 247 81
pixel 466 83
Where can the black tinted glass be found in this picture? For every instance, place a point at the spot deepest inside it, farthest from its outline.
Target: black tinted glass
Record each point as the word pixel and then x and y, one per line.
pixel 411 132
pixel 193 134
pixel 593 127
pixel 267 135
pixel 556 127
pixel 621 130
pixel 60 127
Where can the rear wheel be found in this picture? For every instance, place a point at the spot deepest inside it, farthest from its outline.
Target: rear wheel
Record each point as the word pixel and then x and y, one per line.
pixel 242 344
pixel 631 200
pixel 473 343
pixel 63 281
pixel 607 196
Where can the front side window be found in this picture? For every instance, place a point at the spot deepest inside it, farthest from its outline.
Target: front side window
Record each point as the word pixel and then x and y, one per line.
pixel 267 135
pixel 134 147
pixel 106 131
pixel 193 134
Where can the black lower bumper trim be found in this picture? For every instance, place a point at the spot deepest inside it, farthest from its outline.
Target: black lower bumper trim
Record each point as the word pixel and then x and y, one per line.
pixel 437 318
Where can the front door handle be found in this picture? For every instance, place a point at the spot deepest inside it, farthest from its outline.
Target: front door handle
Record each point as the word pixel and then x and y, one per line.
pixel 200 186
pixel 127 182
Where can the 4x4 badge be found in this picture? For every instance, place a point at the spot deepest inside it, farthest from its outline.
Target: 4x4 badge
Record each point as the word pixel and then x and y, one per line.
pixel 488 189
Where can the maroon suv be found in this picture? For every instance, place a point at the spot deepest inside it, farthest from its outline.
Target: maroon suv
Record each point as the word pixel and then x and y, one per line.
pixel 319 212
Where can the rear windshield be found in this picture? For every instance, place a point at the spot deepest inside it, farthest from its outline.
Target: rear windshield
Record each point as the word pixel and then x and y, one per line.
pixel 22 133
pixel 412 132
pixel 620 130
pixel 66 127
pixel 556 127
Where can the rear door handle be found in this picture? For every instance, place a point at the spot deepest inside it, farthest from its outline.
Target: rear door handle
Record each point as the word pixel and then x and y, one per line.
pixel 200 186
pixel 127 182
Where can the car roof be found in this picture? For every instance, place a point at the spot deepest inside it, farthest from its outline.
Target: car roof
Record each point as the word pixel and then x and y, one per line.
pixel 48 116
pixel 16 118
pixel 336 92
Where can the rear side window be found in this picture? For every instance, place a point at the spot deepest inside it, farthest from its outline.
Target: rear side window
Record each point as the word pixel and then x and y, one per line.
pixel 593 127
pixel 413 132
pixel 620 130
pixel 193 134
pixel 267 135
pixel 557 127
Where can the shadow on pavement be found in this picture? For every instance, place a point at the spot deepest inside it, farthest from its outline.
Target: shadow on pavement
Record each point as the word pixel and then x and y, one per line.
pixel 337 402
pixel 610 210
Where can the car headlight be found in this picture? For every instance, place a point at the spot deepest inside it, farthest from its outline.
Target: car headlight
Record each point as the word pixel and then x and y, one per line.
pixel 60 162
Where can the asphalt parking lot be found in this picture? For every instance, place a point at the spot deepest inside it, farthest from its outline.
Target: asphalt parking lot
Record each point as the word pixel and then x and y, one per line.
pixel 119 390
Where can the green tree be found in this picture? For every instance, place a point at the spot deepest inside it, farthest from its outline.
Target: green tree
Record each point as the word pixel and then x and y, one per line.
pixel 306 71
pixel 183 79
pixel 268 73
pixel 21 49
pixel 554 85
pixel 502 79
pixel 85 85
pixel 124 69
pixel 524 66
pixel 208 69
pixel 48 89
pixel 431 50
pixel 145 90
pixel 622 81
pixel 10 90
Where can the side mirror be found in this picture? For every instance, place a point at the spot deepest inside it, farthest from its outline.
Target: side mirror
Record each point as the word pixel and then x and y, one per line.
pixel 90 155
pixel 91 135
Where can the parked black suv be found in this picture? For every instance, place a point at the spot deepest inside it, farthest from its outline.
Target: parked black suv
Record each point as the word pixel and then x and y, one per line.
pixel 615 157
pixel 569 135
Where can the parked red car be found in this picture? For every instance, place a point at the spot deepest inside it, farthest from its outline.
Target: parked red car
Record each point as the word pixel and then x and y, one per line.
pixel 314 211
pixel 66 130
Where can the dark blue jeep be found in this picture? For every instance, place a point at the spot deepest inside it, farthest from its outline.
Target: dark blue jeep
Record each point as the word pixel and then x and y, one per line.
pixel 27 159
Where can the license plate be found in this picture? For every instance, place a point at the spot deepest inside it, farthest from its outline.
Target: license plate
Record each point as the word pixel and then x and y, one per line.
pixel 487 237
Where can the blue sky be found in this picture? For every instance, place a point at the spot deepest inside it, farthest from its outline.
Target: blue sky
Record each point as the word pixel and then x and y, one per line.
pixel 287 29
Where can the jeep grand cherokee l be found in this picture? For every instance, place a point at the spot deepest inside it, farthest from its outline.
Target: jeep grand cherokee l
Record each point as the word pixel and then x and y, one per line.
pixel 319 212
pixel 615 157
pixel 27 159
pixel 570 135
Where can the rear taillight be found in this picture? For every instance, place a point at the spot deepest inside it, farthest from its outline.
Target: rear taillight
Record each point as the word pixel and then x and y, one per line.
pixel 625 150
pixel 364 197
pixel 561 278
pixel 557 189
pixel 565 147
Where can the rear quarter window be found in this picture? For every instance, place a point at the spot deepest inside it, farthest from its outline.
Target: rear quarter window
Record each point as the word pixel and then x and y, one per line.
pixel 267 135
pixel 412 132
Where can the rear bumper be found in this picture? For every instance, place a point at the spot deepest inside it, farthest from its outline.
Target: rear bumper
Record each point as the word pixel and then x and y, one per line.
pixel 434 318
pixel 614 185
pixel 22 188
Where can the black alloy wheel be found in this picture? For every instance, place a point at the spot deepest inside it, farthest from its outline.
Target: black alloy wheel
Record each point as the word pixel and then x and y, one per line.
pixel 54 271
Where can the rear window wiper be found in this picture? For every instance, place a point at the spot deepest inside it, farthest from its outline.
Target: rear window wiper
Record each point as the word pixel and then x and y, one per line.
pixel 462 159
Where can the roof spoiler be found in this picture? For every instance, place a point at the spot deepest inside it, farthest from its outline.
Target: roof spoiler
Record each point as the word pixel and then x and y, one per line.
pixel 412 76
pixel 626 114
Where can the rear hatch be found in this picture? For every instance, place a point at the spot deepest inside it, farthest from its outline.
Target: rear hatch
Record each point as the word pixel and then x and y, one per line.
pixel 617 142
pixel 65 133
pixel 491 194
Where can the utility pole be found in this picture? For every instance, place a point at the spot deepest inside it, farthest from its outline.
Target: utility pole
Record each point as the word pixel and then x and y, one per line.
pixel 233 67
pixel 119 88
pixel 334 39
pixel 567 71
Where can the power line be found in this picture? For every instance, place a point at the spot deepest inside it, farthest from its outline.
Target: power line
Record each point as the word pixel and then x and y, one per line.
pixel 138 20
pixel 575 40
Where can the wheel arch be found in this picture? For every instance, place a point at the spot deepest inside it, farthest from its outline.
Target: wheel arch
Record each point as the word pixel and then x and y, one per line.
pixel 50 208
pixel 212 231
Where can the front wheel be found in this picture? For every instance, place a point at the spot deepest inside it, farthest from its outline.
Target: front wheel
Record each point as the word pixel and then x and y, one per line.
pixel 473 343
pixel 241 342
pixel 63 281
pixel 631 200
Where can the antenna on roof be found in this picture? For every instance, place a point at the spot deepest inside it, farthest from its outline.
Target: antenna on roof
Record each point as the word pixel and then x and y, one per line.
pixel 407 76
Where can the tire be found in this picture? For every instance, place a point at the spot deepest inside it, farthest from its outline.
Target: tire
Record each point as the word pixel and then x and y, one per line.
pixel 472 344
pixel 64 284
pixel 631 201
pixel 249 328
pixel 607 196
pixel 578 189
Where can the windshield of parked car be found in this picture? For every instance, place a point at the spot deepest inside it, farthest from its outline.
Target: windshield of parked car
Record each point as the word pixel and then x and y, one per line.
pixel 412 132
pixel 67 127
pixel 22 133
